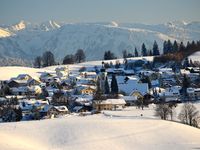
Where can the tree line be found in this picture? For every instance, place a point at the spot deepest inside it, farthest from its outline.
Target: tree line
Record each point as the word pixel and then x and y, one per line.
pixel 177 51
pixel 171 51
pixel 47 59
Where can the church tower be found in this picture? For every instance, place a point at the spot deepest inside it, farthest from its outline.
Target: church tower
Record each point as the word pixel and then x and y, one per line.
pixel 102 78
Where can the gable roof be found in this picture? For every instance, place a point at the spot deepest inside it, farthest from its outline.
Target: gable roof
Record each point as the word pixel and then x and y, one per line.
pixel 114 101
pixel 61 108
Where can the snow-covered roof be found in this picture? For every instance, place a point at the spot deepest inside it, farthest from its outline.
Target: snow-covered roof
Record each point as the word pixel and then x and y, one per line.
pixel 129 98
pixel 61 108
pixel 147 72
pixel 183 71
pixel 77 108
pixel 3 99
pixel 21 76
pixel 114 101
pixel 131 85
pixel 165 69
pixel 193 90
pixel 81 99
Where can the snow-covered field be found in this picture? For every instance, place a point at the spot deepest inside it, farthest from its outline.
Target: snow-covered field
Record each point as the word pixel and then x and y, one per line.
pixel 13 71
pixel 195 56
pixel 9 72
pixel 98 132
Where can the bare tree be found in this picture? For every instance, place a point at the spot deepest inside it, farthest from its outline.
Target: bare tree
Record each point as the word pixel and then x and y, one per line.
pixel 189 114
pixel 48 59
pixel 163 111
pixel 80 56
pixel 38 62
pixel 68 59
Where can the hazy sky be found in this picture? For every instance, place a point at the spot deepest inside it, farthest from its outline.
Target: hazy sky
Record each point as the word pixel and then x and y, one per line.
pixel 142 11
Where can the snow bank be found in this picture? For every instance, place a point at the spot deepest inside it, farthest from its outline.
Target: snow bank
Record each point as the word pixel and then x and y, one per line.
pixel 195 56
pixel 9 72
pixel 98 132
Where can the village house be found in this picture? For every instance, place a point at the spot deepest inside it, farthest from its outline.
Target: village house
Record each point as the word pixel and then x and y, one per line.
pixel 90 75
pixel 130 100
pixel 56 111
pixel 131 84
pixel 109 104
pixel 193 94
pixel 62 72
pixel 89 90
pixel 171 93
pixel 28 107
pixel 81 109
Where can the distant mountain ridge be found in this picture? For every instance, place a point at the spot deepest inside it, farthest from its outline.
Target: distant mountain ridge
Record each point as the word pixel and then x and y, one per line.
pixel 26 40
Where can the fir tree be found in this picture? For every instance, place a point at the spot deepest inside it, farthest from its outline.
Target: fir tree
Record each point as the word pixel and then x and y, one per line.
pixel 165 49
pixel 155 49
pixel 125 55
pixel 107 88
pixel 108 55
pixel 175 46
pixel 186 63
pixel 144 50
pixel 114 85
pixel 136 52
pixel 181 47
pixel 150 53
pixel 169 46
pixel 185 84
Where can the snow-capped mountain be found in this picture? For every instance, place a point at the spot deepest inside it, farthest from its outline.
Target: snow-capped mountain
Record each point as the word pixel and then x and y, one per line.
pixel 26 40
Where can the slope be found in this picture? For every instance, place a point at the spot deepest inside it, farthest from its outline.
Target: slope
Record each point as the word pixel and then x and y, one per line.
pixel 98 132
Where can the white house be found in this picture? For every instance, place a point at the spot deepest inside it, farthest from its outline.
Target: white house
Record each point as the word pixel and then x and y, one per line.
pixel 132 84
pixel 193 93
pixel 109 104
pixel 171 93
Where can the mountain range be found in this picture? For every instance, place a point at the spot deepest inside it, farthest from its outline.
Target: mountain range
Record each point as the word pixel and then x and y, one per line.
pixel 26 40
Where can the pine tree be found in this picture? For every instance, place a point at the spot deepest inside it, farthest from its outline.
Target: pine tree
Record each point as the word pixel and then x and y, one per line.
pixel 169 46
pixel 185 84
pixel 175 46
pixel 136 52
pixel 144 50
pixel 125 55
pixel 114 85
pixel 155 49
pixel 107 88
pixel 150 53
pixel 18 112
pixel 165 49
pixel 108 55
pixel 181 47
pixel 186 63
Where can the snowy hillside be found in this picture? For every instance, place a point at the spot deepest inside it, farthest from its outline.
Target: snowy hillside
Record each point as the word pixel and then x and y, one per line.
pixel 27 40
pixel 195 56
pixel 98 132
pixel 10 72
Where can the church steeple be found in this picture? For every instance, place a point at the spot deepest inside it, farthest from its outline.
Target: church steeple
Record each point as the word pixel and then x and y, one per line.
pixel 103 67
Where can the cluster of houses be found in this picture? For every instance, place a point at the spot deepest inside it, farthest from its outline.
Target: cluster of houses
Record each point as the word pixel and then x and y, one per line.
pixel 64 91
